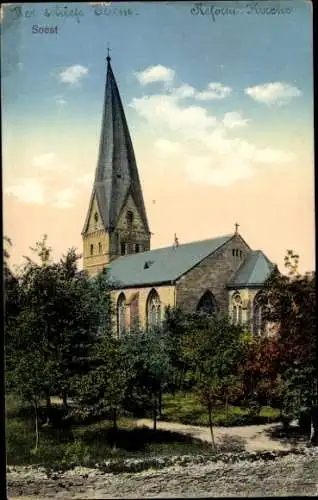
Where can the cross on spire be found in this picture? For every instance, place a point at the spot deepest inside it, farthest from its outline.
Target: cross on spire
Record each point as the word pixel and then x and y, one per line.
pixel 108 51
pixel 236 227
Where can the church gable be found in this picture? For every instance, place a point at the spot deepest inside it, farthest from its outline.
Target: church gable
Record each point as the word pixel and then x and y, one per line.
pixel 212 274
pixel 95 222
pixel 129 218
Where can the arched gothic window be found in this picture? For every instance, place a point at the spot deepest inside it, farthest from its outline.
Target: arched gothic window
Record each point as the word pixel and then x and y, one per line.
pixel 121 314
pixel 258 319
pixel 237 308
pixel 153 310
pixel 134 311
pixel 207 304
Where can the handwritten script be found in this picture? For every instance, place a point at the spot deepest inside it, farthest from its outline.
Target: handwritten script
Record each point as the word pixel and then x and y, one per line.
pixel 59 12
pixel 215 10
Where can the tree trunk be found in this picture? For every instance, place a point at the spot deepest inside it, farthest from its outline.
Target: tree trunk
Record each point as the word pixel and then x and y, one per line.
pixel 36 423
pixel 155 412
pixel 115 429
pixel 226 403
pixel 64 397
pixel 160 403
pixel 48 398
pixel 314 426
pixel 48 405
pixel 210 425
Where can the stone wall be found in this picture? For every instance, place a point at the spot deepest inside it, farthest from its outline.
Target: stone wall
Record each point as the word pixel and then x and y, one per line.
pixel 95 235
pixel 213 273
pixel 111 243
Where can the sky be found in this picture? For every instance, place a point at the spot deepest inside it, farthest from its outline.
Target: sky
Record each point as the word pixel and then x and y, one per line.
pixel 219 102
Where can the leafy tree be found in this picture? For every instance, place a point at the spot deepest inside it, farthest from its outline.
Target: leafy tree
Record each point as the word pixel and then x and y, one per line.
pixel 61 315
pixel 261 383
pixel 102 389
pixel 147 359
pixel 11 286
pixel 215 352
pixel 290 302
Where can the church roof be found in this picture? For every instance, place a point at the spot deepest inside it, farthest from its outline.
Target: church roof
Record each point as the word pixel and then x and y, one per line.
pixel 254 271
pixel 164 265
pixel 116 174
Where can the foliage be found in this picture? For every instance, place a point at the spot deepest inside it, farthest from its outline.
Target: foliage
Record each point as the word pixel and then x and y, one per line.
pixel 261 385
pixel 147 359
pixel 214 350
pixel 60 315
pixel 102 390
pixel 290 301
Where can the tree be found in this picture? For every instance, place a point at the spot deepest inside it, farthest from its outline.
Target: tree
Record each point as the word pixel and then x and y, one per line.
pixel 215 350
pixel 62 314
pixel 261 383
pixel 102 389
pixel 148 362
pixel 290 302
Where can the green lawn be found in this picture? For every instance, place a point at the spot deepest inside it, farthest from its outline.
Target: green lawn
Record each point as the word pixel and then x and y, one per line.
pixel 89 443
pixel 186 408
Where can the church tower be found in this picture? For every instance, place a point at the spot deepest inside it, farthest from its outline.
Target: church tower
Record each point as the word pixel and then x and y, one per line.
pixel 116 223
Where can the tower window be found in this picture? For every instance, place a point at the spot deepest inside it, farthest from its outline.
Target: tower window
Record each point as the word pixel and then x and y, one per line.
pixel 241 253
pixel 233 252
pixel 123 248
pixel 137 248
pixel 96 217
pixel 237 252
pixel 92 249
pixel 99 247
pixel 130 218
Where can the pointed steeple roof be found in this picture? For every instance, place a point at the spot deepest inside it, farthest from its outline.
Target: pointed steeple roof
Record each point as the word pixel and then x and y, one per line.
pixel 116 174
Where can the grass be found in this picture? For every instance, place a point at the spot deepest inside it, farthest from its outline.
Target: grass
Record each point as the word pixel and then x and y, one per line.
pixel 89 443
pixel 186 408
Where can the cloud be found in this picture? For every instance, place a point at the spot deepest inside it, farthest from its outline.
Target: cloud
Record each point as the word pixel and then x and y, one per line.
pixel 234 119
pixel 72 74
pixel 165 109
pixel 167 148
pixel 27 190
pixel 60 101
pixel 86 180
pixel 273 93
pixel 50 162
pixel 183 91
pixel 200 142
pixel 153 74
pixel 45 161
pixel 65 198
pixel 215 91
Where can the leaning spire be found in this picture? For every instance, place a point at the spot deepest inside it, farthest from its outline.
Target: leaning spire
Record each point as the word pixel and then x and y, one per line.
pixel 116 174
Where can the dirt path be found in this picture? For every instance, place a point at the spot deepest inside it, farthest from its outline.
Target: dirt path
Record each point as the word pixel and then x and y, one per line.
pixel 288 476
pixel 255 437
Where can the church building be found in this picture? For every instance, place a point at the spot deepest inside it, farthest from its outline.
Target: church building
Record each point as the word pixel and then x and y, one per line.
pixel 219 275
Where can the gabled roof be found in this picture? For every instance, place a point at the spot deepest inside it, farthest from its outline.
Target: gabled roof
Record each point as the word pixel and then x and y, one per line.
pixel 116 173
pixel 164 265
pixel 254 271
